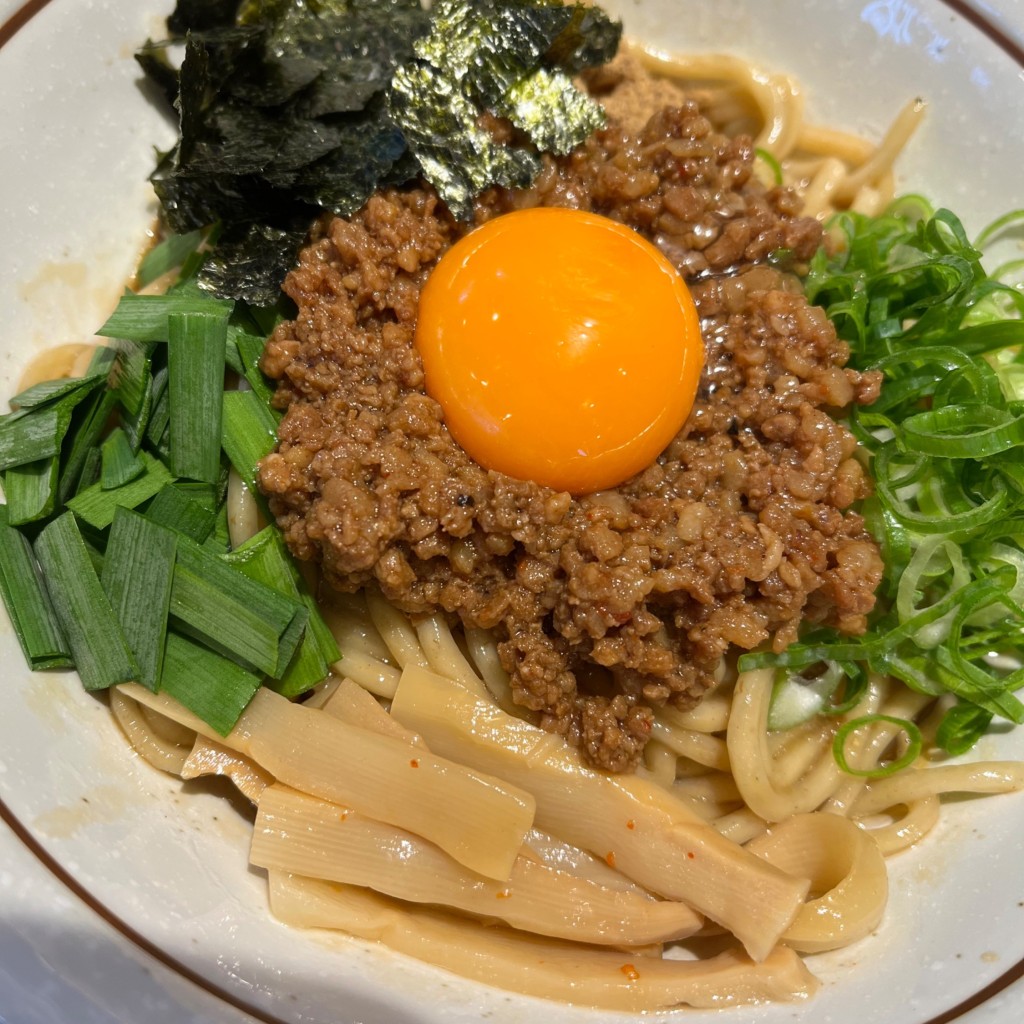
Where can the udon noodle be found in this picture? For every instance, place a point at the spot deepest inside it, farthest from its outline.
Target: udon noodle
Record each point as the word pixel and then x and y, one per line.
pixel 407 800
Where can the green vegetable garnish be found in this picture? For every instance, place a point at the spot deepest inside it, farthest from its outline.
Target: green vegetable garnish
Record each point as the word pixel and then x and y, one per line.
pixel 93 630
pixel 137 575
pixel 908 757
pixel 196 345
pixel 945 440
pixel 35 622
pixel 131 577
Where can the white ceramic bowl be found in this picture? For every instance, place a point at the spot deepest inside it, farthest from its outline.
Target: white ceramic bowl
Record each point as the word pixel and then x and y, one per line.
pixel 166 868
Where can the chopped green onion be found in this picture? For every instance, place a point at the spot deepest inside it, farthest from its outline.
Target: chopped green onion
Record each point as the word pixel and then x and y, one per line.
pixel 961 727
pixel 195 384
pixel 772 163
pixel 137 575
pixel 209 685
pixel 28 603
pixel 119 464
pixel 97 506
pixel 101 653
pixel 991 230
pixel 796 700
pixel 908 757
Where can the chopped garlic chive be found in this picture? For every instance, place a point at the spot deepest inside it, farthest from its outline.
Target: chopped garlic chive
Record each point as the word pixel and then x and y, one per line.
pixel 93 633
pixel 50 390
pixel 97 506
pixel 145 317
pixel 137 574
pixel 263 558
pixel 208 684
pixel 119 465
pixel 28 603
pixel 234 614
pixel 31 490
pixel 250 433
pixel 195 383
pixel 175 509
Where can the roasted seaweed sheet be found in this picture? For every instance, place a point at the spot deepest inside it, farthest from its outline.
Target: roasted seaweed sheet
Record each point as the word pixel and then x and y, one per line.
pixel 287 108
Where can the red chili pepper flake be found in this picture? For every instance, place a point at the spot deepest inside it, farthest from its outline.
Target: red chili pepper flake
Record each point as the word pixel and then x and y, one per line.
pixel 503 894
pixel 414 763
pixel 610 858
pixel 631 824
pixel 630 972
pixel 690 855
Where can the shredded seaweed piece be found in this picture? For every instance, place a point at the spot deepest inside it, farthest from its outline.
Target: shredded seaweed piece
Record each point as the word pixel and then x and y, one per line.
pixel 288 108
pixel 499 57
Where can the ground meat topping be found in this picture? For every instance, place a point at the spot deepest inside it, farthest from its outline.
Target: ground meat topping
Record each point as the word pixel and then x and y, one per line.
pixel 610 605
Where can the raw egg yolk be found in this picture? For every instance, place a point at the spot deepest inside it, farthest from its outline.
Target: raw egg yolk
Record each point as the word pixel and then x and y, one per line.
pixel 562 347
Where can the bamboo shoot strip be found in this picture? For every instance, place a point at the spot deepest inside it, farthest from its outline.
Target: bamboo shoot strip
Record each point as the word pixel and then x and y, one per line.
pixel 477 819
pixel 97 643
pixel 208 684
pixel 145 317
pixel 538 966
pixel 28 604
pixel 137 574
pixel 263 558
pixel 96 506
pixel 250 433
pixel 31 490
pixel 195 384
pixel 305 836
pixel 652 838
pixel 233 614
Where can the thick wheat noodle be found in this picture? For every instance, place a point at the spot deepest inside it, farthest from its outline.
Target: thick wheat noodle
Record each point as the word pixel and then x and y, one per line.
pixel 919 817
pixel 697 746
pixel 710 715
pixel 883 158
pixel 873 743
pixel 777 97
pixel 661 764
pixel 753 766
pixel 138 728
pixel 833 169
pixel 243 510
